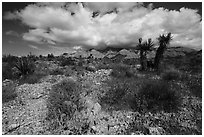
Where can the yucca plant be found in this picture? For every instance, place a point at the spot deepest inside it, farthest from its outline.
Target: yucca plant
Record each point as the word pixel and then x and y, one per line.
pixel 144 48
pixel 164 41
pixel 25 66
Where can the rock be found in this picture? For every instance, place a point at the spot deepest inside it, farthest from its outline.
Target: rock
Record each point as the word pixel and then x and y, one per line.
pixel 156 131
pixel 138 66
pixel 89 103
pixel 73 78
pixel 94 128
pixel 96 108
pixel 91 68
pixel 13 127
pixel 137 133
pixel 7 83
pixel 67 103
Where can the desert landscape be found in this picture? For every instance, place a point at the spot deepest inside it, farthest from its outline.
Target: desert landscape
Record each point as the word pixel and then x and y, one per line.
pixel 150 88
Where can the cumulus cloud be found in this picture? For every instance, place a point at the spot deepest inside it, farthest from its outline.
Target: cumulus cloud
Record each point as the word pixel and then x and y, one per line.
pixel 9 15
pixel 116 24
pixel 33 46
pixel 104 7
pixel 12 33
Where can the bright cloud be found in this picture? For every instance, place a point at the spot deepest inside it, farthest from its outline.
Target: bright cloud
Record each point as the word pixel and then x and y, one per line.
pixel 104 7
pixel 73 24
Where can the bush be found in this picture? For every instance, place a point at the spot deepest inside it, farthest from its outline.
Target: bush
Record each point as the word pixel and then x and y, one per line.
pixel 57 71
pixel 121 71
pixel 118 92
pixel 63 100
pixel 8 92
pixel 171 74
pixel 25 66
pixel 102 65
pixel 32 79
pixel 69 72
pixel 115 94
pixel 6 71
pixel 66 61
pixel 156 96
pixel 195 85
pixel 8 64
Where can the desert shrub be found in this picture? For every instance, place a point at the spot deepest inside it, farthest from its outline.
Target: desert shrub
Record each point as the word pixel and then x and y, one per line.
pixel 66 61
pixel 50 57
pixel 8 63
pixel 42 66
pixel 102 65
pixel 155 96
pixel 9 59
pixel 171 74
pixel 16 67
pixel 63 100
pixel 121 71
pixel 57 71
pixel 32 78
pixel 118 91
pixel 8 93
pixel 193 82
pixel 114 94
pixel 6 71
pixel 68 71
pixel 195 85
pixel 25 66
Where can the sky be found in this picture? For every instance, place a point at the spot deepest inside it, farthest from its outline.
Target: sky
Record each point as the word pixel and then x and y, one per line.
pixel 43 28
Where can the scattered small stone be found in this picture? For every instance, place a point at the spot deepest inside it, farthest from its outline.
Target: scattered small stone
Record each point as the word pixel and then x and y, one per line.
pixel 156 131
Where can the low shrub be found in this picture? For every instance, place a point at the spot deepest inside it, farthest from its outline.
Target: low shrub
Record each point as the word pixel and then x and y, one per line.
pixel 195 85
pixel 155 96
pixel 8 93
pixel 119 92
pixel 193 82
pixel 115 94
pixel 121 71
pixel 67 61
pixel 32 79
pixel 25 66
pixel 6 71
pixel 63 101
pixel 102 65
pixel 42 66
pixel 57 71
pixel 171 74
pixel 69 72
